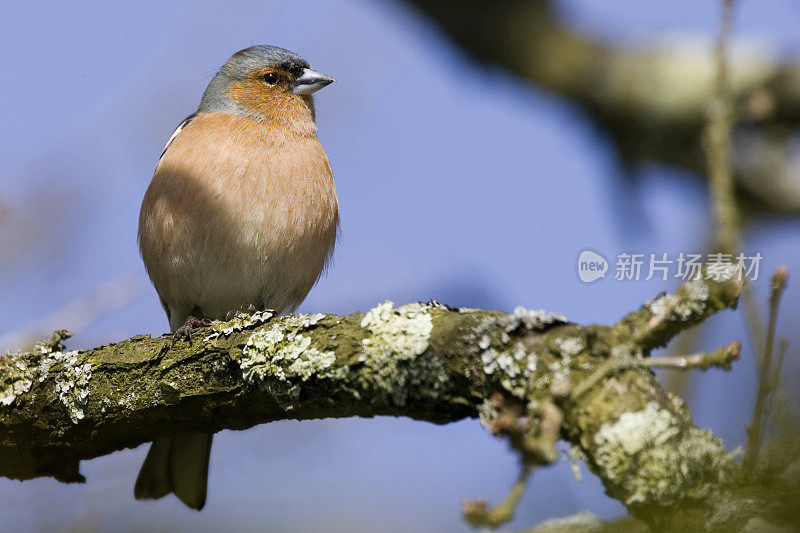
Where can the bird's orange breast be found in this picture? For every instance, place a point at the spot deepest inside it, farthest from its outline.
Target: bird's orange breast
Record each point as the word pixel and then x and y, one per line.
pixel 239 212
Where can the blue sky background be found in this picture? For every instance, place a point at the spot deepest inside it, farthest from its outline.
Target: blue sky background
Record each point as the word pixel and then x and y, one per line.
pixel 456 182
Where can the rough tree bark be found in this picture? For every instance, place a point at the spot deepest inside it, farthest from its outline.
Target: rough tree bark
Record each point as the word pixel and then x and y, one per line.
pixel 587 384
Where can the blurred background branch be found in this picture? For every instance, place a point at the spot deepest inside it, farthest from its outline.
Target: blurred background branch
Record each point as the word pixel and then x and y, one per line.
pixel 650 99
pixel 717 142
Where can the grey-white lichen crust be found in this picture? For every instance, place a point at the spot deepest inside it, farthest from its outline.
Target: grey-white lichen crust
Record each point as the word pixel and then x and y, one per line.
pixel 238 323
pixel 671 306
pixel 15 378
pixel 71 382
pixel 396 336
pixel 636 453
pixel 278 357
pixel 17 375
pixel 511 362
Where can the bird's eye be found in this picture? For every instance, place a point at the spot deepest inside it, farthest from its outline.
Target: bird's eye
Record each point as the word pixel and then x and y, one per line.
pixel 271 78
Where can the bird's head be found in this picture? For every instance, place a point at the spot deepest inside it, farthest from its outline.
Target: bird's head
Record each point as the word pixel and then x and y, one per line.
pixel 266 82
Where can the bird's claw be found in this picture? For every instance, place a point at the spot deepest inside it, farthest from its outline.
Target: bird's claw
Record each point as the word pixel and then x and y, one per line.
pixel 185 331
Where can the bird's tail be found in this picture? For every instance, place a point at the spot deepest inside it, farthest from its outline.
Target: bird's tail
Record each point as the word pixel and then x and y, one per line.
pixel 176 464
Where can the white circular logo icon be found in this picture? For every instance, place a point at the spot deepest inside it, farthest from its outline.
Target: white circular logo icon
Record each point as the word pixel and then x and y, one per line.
pixel 591 266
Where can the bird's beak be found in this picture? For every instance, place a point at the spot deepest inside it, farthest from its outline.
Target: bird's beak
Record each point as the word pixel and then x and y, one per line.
pixel 310 82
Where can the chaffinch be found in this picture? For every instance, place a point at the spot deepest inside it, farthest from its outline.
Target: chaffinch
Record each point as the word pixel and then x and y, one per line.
pixel 241 213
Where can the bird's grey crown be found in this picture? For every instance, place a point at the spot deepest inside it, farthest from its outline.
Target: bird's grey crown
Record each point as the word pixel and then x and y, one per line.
pixel 262 56
pixel 215 99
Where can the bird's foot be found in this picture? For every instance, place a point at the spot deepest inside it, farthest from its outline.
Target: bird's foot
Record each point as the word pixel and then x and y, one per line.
pixel 185 331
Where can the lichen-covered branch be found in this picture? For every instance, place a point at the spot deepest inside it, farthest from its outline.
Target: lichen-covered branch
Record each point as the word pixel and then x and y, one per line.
pixel 424 361
pixel 651 99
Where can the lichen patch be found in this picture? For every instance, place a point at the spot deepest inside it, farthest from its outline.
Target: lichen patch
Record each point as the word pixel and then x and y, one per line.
pixel 488 413
pixel 635 454
pixel 570 346
pixel 302 321
pixel 19 371
pixel 697 289
pixel 397 336
pixel 513 366
pixel 672 306
pixel 530 319
pixel 239 322
pixel 509 362
pixel 72 383
pixel 278 360
pixel 15 378
pixel 696 301
pixel 400 333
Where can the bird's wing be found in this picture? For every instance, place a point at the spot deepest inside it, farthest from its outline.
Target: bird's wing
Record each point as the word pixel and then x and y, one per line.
pixel 175 133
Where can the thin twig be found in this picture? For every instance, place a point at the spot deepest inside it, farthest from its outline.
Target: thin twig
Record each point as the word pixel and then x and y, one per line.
pixel 767 377
pixel 722 357
pixel 783 346
pixel 478 514
pixel 680 383
pixel 752 319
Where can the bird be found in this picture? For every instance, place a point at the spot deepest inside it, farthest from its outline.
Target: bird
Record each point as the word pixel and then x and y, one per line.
pixel 241 213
